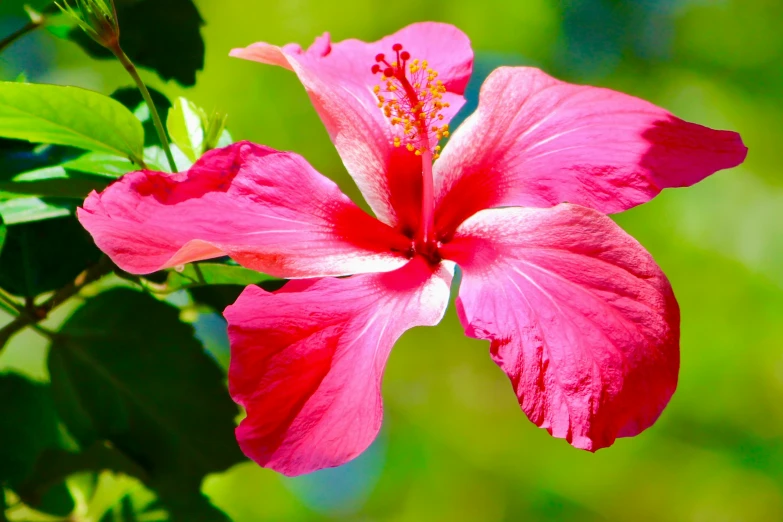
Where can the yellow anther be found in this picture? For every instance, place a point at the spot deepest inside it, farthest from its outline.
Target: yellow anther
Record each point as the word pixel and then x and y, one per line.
pixel 410 97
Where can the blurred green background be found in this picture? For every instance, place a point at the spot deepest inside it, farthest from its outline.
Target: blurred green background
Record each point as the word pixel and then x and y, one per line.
pixel 455 445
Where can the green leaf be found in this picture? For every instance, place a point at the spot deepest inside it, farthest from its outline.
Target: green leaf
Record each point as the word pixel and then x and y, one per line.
pixel 18 156
pixel 125 369
pixel 218 285
pixel 132 99
pixel 53 182
pixel 162 35
pixel 72 179
pixel 51 170
pixel 2 233
pixel 186 124
pixel 69 116
pixel 28 425
pixel 46 482
pixel 100 164
pixel 44 255
pixel 27 210
pixel 197 274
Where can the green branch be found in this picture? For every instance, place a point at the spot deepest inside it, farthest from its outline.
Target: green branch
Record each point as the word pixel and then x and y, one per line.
pixel 30 317
pixel 36 20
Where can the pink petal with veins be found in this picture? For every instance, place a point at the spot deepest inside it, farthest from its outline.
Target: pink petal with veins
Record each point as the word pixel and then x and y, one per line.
pixel 578 315
pixel 307 362
pixel 537 141
pixel 338 78
pixel 268 210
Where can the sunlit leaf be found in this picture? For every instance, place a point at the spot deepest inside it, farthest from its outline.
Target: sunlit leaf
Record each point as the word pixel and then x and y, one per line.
pixel 215 274
pixel 186 123
pixel 125 369
pixel 53 182
pixel 162 35
pixel 44 255
pixel 101 164
pixel 68 116
pixel 29 209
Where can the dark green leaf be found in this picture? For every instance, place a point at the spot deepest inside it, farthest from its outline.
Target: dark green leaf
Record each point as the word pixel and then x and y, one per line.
pixel 43 486
pixel 2 233
pixel 18 156
pixel 28 426
pixel 55 500
pixel 27 170
pixel 214 284
pixel 68 116
pixel 162 35
pixel 131 98
pixel 218 285
pixel 73 179
pixel 45 255
pixel 125 369
pixel 217 297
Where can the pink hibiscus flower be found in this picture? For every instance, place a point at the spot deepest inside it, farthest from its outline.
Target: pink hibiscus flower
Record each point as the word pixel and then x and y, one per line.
pixel 577 313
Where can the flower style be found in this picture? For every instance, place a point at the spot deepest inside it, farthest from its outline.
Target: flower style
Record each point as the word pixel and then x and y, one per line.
pixel 578 315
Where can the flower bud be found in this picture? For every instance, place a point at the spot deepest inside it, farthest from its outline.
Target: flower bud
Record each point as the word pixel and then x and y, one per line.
pixel 97 18
pixel 213 130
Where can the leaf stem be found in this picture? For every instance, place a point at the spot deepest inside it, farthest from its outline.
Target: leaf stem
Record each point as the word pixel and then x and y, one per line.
pixel 37 19
pixel 128 64
pixel 32 317
pixel 11 38
pixel 8 301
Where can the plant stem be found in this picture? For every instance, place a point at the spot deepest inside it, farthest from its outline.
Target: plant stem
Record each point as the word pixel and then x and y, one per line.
pixel 31 317
pixel 126 62
pixel 37 19
pixel 11 38
pixel 9 302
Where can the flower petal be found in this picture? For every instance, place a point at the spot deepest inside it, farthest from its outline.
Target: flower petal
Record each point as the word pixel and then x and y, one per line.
pixel 578 314
pixel 307 362
pixel 268 210
pixel 339 81
pixel 536 141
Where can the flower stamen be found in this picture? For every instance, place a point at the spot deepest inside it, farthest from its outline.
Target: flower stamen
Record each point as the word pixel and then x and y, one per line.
pixel 411 98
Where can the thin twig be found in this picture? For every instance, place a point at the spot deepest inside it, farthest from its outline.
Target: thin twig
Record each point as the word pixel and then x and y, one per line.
pixel 37 19
pixel 39 313
pixel 11 38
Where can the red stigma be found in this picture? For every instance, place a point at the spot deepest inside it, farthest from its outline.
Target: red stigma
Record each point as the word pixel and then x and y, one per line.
pixel 405 55
pixel 388 72
pixel 397 47
pixel 380 57
pixel 376 69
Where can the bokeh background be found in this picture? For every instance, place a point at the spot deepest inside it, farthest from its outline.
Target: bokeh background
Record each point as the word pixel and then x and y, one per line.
pixel 455 445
